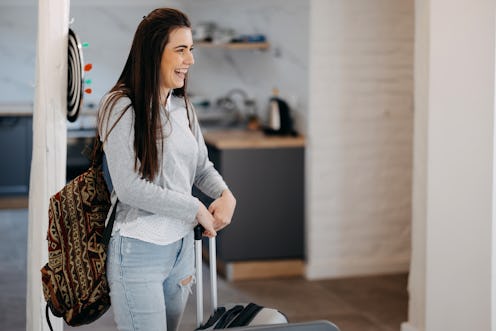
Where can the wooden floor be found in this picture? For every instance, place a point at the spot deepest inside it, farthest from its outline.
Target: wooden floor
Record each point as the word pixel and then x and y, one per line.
pixel 376 303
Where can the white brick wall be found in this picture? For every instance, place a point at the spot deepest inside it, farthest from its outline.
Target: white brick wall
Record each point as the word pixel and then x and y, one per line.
pixel 360 127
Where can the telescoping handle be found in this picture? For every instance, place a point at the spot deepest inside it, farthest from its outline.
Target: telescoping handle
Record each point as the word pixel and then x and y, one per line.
pixel 199 274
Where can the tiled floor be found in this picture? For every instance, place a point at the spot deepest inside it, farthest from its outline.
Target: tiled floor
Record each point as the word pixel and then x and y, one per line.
pixel 376 303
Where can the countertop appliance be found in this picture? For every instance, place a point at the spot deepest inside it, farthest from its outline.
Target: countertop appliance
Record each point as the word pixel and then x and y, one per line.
pixel 280 120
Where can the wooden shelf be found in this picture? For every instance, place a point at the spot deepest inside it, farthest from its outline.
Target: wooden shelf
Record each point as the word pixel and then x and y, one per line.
pixel 260 46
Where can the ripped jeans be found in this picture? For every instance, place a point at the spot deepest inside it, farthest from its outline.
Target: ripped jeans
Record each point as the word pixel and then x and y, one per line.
pixel 149 283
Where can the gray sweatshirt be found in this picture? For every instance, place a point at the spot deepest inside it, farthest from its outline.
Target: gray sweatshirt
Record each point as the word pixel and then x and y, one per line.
pixel 162 211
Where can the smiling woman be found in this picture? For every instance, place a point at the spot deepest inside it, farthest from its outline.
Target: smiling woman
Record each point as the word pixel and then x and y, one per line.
pixel 155 153
pixel 176 59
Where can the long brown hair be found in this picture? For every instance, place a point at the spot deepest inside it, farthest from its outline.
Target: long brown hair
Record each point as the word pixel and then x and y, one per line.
pixel 140 82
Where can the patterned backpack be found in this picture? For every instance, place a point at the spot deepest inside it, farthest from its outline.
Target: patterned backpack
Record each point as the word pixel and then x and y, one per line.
pixel 74 281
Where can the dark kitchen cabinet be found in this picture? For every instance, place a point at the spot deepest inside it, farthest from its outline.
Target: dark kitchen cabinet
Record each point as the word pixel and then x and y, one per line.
pixel 77 162
pixel 16 144
pixel 16 141
pixel 267 180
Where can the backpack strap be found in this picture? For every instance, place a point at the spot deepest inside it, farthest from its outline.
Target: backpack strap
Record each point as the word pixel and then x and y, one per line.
pixel 190 112
pixel 47 315
pixel 96 158
pixel 97 153
pixel 107 233
pixel 94 153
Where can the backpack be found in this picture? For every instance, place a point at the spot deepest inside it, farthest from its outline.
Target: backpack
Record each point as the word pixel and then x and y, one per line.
pixel 74 280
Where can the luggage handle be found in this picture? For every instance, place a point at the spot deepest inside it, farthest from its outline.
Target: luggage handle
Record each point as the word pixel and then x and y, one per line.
pixel 199 273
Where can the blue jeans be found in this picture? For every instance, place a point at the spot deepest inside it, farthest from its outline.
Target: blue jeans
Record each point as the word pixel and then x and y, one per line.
pixel 149 284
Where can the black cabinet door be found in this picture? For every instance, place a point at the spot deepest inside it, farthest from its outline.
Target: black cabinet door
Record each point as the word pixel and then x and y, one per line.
pixel 269 188
pixel 16 137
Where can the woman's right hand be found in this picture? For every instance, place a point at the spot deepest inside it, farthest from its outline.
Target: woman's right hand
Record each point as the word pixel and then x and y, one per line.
pixel 205 218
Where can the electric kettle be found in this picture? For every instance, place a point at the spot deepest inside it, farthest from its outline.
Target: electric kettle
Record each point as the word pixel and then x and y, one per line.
pixel 280 120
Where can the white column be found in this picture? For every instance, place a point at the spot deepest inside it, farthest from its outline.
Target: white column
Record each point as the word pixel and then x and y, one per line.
pixel 455 104
pixel 49 147
pixel 416 280
pixel 359 143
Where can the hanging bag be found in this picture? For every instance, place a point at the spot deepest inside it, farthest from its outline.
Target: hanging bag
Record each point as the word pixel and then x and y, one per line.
pixel 74 280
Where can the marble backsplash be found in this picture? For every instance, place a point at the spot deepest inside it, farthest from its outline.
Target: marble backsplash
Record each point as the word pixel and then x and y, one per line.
pixel 108 27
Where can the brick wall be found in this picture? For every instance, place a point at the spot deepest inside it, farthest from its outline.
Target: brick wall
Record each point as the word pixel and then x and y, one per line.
pixel 360 135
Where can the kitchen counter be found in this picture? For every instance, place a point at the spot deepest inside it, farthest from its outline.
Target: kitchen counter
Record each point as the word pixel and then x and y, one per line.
pixel 244 139
pixel 20 109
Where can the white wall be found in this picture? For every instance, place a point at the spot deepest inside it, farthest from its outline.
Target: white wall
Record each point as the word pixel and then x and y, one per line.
pixel 18 30
pixel 359 152
pixel 285 65
pixel 452 284
pixel 109 25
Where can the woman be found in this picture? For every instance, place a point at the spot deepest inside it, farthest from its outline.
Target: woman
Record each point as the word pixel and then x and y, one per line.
pixel 155 154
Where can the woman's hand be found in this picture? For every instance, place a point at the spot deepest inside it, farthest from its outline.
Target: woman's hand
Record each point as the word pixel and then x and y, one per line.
pixel 222 210
pixel 205 218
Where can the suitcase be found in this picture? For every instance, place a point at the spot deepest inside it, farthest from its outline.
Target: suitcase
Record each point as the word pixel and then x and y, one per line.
pixel 306 326
pixel 239 316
